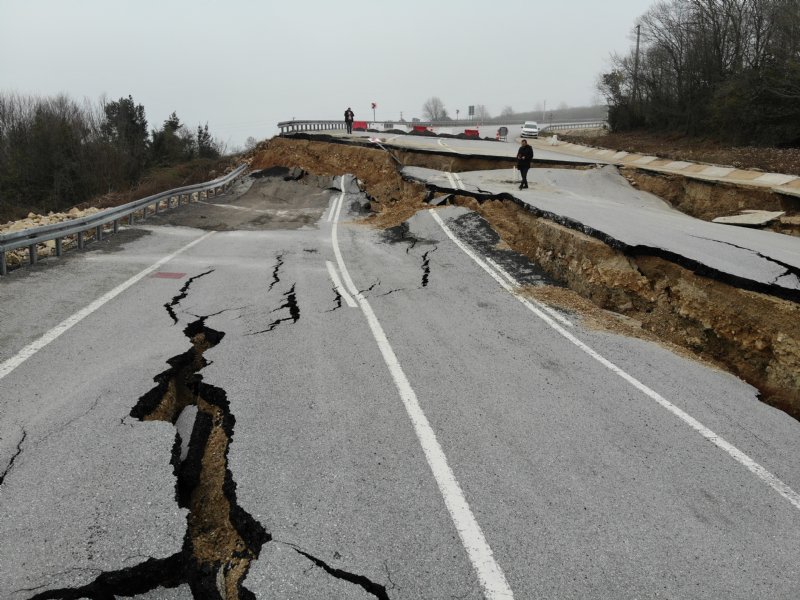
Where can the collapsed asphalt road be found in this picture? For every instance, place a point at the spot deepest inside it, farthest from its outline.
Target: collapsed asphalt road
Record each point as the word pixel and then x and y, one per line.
pixel 369 413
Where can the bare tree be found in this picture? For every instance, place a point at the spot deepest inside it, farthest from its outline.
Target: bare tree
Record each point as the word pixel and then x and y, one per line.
pixel 434 110
pixel 707 66
pixel 507 111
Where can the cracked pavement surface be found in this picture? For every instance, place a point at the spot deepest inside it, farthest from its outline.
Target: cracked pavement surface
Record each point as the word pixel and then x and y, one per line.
pixel 600 202
pixel 583 488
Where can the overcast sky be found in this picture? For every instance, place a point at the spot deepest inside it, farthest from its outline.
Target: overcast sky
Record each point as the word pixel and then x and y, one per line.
pixel 244 65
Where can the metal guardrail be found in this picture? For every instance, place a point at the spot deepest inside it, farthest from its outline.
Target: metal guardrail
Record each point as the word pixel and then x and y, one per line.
pixel 78 227
pixel 322 125
pixel 574 125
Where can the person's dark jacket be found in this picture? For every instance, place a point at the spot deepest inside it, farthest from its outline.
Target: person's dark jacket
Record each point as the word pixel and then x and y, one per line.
pixel 349 115
pixel 524 157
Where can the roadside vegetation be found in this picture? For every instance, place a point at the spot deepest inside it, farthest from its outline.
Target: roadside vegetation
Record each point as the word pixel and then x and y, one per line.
pixel 56 153
pixel 722 69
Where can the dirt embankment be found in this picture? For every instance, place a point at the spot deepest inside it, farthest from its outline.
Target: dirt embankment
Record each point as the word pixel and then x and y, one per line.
pixel 755 336
pixel 680 147
pixel 708 200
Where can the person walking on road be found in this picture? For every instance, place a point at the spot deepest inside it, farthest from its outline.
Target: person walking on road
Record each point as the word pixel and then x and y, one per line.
pixel 348 119
pixel 524 158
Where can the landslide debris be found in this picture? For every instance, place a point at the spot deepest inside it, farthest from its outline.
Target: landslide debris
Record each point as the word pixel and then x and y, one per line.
pixel 754 335
pixel 393 200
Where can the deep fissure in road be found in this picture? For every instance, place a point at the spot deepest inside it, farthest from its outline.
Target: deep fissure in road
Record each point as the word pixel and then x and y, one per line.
pixel 222 538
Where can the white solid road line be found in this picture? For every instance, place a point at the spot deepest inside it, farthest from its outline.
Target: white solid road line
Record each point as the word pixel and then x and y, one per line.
pixel 458 181
pixel 491 576
pixel 452 181
pixel 337 283
pixel 739 456
pixel 20 357
pixel 333 208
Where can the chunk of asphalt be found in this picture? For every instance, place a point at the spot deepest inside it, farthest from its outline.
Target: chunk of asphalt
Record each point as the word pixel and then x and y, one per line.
pixel 440 200
pixel 184 426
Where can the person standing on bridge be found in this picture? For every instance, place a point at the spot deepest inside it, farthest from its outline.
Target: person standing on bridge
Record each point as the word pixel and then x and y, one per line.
pixel 524 158
pixel 348 119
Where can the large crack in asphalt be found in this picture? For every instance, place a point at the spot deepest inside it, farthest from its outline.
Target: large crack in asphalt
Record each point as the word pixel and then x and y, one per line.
pixel 276 272
pixel 294 311
pixel 337 299
pixel 222 538
pixel 367 584
pixel 182 293
pixel 426 267
pixel 790 269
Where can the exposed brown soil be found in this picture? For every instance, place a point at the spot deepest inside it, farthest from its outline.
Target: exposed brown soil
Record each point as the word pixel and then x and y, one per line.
pixel 600 319
pixel 707 200
pixel 393 200
pixel 753 335
pixel 678 147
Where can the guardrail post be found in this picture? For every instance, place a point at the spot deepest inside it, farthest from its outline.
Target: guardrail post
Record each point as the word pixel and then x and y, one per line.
pixel 58 247
pixel 98 233
pixel 81 242
pixel 3 265
pixel 131 218
pixel 116 225
pixel 32 254
pixel 155 206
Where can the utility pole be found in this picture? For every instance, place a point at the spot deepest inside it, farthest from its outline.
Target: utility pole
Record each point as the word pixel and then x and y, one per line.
pixel 636 65
pixel 544 110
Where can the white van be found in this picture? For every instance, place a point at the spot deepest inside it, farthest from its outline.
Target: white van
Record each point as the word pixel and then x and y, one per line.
pixel 530 129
